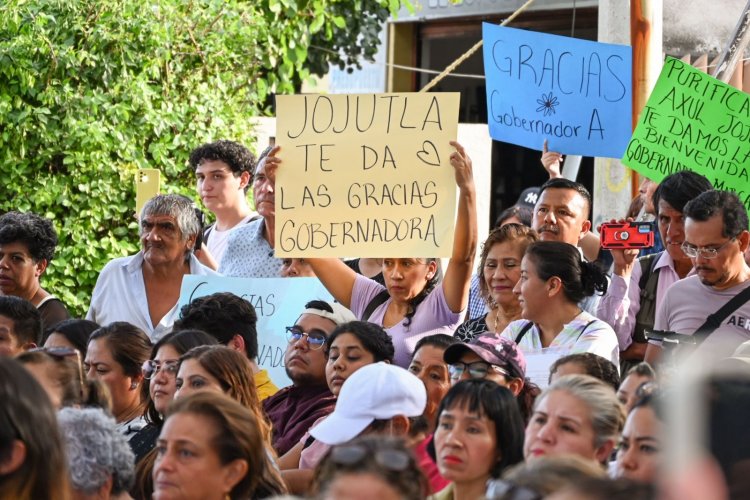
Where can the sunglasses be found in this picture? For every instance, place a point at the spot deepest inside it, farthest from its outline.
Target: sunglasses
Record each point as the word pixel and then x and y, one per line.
pixel 477 369
pixel 498 488
pixel 151 367
pixel 354 454
pixel 62 353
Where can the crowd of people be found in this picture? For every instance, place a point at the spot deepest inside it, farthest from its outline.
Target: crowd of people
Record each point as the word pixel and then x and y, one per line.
pixel 551 369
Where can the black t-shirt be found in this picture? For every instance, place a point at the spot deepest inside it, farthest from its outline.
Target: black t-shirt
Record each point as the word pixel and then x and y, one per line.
pixel 52 312
pixel 354 266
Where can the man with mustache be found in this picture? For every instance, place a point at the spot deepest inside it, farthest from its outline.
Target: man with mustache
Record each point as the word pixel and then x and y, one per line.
pixel 294 409
pixel 562 211
pixel 562 214
pixel 249 252
pixel 638 285
pixel 143 289
pixel 716 235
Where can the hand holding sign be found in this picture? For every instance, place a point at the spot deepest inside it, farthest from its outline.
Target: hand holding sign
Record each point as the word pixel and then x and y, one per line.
pixel 463 167
pixel 552 162
pixel 365 175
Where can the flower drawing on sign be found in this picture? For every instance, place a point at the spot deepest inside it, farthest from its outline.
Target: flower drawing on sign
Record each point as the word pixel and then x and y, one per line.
pixel 547 104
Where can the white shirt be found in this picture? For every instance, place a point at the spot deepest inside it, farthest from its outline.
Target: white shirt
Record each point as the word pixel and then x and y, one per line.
pixel 120 295
pixel 217 240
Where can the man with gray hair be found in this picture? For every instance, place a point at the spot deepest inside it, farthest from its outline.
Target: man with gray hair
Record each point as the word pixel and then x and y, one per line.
pixel 100 461
pixel 143 289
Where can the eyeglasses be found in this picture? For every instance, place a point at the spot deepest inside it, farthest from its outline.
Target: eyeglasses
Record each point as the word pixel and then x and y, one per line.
pixel 477 369
pixel 151 367
pixel 316 340
pixel 498 488
pixel 693 251
pixel 354 454
pixel 62 353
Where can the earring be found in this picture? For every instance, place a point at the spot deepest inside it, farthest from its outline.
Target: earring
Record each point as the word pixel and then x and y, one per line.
pixel 134 385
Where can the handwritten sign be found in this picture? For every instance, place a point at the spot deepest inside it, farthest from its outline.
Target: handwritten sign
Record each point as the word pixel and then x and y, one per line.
pixel 278 303
pixel 574 93
pixel 539 361
pixel 366 175
pixel 693 121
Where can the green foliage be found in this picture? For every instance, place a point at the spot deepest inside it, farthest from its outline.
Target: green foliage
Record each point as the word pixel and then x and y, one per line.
pixel 306 36
pixel 92 90
pixel 323 32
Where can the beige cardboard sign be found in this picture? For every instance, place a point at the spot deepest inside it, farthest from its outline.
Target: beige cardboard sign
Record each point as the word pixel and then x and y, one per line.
pixel 365 175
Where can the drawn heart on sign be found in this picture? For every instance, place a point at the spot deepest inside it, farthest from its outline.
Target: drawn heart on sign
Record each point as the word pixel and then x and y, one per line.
pixel 428 154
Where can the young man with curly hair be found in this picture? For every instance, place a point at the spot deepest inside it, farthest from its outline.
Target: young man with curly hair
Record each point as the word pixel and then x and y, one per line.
pixel 224 172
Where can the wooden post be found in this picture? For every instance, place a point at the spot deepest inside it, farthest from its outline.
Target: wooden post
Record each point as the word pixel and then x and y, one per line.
pixel 646 40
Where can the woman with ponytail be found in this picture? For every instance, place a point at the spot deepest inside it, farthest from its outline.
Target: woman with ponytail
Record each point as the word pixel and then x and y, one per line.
pixel 554 280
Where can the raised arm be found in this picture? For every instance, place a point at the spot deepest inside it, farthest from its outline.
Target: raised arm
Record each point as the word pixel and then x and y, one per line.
pixel 458 274
pixel 551 161
pixel 337 277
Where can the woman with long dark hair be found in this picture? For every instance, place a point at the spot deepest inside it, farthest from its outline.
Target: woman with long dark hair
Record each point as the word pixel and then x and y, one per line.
pixel 32 458
pixel 554 281
pixel 161 372
pixel 413 301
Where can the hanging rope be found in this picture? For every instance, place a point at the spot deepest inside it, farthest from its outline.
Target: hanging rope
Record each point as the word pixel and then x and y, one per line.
pixel 471 51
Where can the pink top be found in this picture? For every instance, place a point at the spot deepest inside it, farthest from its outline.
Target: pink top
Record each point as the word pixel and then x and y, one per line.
pixel 432 316
pixel 313 454
pixel 428 466
pixel 622 301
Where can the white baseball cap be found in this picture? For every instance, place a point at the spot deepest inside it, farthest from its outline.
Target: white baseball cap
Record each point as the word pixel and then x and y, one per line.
pixel 339 316
pixel 379 391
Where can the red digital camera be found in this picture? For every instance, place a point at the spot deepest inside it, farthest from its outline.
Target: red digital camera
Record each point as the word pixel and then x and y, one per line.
pixel 627 235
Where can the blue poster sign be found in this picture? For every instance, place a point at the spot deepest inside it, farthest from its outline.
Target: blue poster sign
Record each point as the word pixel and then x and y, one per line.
pixel 278 303
pixel 574 93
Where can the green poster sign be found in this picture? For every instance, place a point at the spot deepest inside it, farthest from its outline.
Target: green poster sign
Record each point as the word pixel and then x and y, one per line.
pixel 693 121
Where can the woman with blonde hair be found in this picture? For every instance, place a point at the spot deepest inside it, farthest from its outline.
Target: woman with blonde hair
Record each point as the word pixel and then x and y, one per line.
pixel 577 415
pixel 212 447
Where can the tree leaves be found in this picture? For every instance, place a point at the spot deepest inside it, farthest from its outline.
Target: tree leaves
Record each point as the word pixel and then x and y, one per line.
pixel 92 90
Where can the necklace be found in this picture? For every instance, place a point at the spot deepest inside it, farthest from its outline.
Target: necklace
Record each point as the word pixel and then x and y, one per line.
pixel 497 315
pixel 497 310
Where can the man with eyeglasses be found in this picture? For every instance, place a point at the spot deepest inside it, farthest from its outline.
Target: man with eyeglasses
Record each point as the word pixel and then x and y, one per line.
pixel 294 409
pixel 638 286
pixel 716 235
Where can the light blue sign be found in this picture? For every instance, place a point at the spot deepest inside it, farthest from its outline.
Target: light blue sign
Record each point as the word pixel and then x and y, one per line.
pixel 574 93
pixel 278 303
